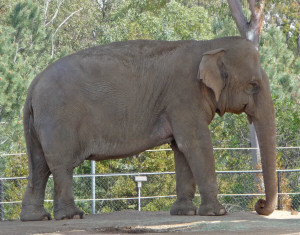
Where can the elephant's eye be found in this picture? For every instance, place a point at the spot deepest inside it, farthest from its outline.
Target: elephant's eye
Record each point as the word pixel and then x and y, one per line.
pixel 254 84
pixel 253 87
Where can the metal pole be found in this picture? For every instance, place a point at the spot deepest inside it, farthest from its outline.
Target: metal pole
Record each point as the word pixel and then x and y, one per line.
pixel 93 187
pixel 139 179
pixel 139 196
pixel 279 190
pixel 1 200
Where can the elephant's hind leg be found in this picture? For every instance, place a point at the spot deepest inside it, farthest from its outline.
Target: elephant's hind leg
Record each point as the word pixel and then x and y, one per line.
pixel 64 204
pixel 33 201
pixel 185 186
pixel 62 152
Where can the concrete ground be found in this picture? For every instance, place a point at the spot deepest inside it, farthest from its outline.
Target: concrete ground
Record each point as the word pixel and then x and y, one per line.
pixel 132 222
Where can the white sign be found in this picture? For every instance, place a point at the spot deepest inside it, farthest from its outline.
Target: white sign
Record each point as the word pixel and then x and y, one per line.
pixel 140 178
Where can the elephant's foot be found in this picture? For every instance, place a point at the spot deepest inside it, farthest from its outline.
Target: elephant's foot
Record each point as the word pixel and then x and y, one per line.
pixel 34 213
pixel 67 212
pixel 211 209
pixel 183 208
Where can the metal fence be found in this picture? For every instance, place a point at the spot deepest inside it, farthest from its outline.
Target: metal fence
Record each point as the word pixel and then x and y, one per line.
pixel 103 193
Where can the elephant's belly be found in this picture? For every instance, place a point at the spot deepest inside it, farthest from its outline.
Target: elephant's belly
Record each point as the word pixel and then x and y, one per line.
pixel 116 151
pixel 126 144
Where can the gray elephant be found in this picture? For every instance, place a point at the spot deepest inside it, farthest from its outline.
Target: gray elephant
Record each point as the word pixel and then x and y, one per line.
pixel 117 100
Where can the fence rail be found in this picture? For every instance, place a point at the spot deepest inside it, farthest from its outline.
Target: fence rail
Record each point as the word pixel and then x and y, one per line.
pixel 169 149
pixel 101 193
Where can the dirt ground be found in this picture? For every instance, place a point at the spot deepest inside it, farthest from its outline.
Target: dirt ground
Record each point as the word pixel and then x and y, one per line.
pixel 132 222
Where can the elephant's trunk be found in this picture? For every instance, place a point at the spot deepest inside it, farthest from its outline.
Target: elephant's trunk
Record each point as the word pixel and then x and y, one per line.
pixel 264 122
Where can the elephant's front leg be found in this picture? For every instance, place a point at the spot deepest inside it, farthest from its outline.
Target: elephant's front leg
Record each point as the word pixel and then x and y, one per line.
pixel 197 148
pixel 185 185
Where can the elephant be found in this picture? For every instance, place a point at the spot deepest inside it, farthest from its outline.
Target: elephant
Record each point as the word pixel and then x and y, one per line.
pixel 117 100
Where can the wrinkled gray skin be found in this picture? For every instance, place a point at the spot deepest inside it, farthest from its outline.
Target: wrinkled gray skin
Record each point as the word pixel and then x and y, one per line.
pixel 120 99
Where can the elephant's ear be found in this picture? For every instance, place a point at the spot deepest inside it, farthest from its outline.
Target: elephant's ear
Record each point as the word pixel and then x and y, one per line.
pixel 212 71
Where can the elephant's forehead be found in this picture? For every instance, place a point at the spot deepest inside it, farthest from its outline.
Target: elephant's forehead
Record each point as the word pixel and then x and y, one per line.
pixel 244 51
pixel 244 57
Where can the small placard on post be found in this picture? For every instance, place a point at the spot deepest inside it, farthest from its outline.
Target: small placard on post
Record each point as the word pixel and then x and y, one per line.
pixel 140 178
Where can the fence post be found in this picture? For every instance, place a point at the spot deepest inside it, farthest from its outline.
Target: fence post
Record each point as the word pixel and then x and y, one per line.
pixel 1 200
pixel 93 187
pixel 279 190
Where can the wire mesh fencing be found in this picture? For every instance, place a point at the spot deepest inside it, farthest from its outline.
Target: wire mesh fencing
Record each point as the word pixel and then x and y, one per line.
pixel 238 191
pixel 103 193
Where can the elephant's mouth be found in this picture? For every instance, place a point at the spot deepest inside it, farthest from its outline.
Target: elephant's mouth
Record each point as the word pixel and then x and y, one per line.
pixel 240 110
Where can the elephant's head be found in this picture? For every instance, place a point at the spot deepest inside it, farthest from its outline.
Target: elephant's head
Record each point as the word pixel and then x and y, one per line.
pixel 239 84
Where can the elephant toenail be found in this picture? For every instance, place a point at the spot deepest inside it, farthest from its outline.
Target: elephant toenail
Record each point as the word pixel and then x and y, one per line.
pixel 191 213
pixel 222 211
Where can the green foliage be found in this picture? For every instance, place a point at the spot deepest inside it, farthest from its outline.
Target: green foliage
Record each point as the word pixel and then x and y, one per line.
pixel 224 135
pixel 72 23
pixel 15 189
pixel 172 21
pixel 225 26
pixel 283 69
pixel 22 55
pixel 3 162
pixel 159 204
pixel 285 14
pixel 280 64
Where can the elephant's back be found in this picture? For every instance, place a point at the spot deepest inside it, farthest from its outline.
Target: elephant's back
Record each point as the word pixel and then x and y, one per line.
pixel 134 48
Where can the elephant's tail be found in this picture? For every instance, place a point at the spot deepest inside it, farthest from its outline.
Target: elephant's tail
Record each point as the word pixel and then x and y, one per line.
pixel 35 152
pixel 27 123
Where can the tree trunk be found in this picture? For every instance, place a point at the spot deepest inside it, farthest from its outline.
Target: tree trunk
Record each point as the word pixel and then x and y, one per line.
pixel 250 30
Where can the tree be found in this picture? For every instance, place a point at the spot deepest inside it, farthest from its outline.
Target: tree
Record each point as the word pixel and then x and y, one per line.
pixel 286 16
pixel 171 21
pixel 21 57
pixel 283 68
pixel 248 29
pixel 23 53
pixel 69 16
